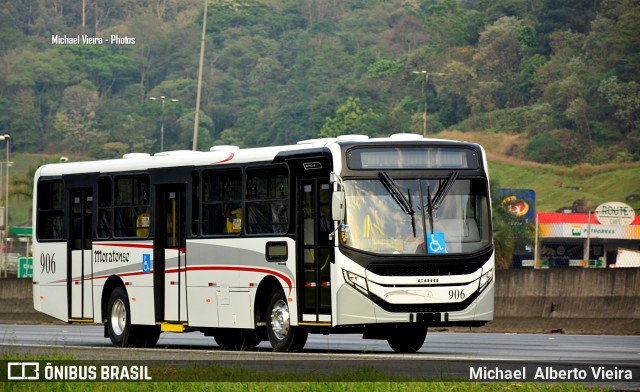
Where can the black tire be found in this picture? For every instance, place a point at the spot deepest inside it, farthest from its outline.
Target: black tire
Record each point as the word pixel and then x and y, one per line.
pixel 237 339
pixel 282 336
pixel 407 340
pixel 146 335
pixel 119 319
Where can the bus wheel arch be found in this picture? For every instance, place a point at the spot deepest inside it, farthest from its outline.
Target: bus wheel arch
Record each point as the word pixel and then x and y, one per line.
pixel 118 318
pixel 265 288
pixel 110 285
pixel 116 313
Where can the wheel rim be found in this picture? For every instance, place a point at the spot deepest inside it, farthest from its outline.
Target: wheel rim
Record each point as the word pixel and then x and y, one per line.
pixel 118 317
pixel 280 319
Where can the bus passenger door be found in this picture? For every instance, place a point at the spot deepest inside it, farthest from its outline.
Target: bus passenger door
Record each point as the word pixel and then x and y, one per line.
pixel 170 250
pixel 314 250
pixel 79 269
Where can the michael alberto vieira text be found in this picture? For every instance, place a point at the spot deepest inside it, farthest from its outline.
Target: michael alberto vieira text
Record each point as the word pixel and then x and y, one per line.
pixel 550 373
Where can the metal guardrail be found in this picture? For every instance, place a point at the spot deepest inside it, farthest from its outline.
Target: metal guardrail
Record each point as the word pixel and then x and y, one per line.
pixel 10 263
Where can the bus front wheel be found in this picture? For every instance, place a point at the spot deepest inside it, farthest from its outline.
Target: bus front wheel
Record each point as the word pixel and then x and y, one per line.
pixel 282 335
pixel 407 340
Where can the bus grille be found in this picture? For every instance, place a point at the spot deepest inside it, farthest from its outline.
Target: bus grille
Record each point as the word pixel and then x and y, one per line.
pixel 424 308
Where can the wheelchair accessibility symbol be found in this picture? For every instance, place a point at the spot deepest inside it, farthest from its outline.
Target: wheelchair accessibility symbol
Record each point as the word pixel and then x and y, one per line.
pixel 435 243
pixel 146 263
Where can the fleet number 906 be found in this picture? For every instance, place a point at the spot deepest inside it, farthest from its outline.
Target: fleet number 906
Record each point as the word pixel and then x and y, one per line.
pixel 457 294
pixel 47 263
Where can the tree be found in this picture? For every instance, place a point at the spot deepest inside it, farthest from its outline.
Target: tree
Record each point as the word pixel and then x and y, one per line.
pixel 23 119
pixel 350 119
pixel 544 148
pixel 498 55
pixel 564 15
pixel 383 68
pixel 453 91
pixel 625 97
pixel 185 126
pixel 77 119
pixel 560 146
pixel 579 112
pixel 445 24
pixel 497 63
pixel 103 66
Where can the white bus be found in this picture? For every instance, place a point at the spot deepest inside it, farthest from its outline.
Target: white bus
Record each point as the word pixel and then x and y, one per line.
pixel 383 237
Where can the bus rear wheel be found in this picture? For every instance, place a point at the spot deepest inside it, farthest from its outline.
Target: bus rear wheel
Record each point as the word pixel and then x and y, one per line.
pixel 119 318
pixel 407 340
pixel 282 335
pixel 146 336
pixel 237 339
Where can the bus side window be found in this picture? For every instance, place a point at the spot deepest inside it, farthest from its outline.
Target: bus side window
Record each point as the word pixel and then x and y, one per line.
pixel 105 207
pixel 132 202
pixel 222 202
pixel 50 210
pixel 267 200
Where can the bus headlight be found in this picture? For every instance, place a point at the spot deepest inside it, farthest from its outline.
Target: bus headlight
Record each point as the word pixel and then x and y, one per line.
pixel 356 281
pixel 485 279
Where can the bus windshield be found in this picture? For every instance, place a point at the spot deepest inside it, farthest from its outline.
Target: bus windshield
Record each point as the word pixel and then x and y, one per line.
pixel 416 216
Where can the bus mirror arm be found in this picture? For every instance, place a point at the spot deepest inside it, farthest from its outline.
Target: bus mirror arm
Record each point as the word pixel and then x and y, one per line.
pixel 337 198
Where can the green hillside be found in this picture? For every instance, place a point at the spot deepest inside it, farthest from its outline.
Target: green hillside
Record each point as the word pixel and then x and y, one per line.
pixel 556 186
pixel 103 78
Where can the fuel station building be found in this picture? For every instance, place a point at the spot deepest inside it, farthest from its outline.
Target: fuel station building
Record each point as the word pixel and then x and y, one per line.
pixel 608 237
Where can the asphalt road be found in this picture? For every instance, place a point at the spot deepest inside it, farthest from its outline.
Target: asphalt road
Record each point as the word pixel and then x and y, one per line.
pixel 449 354
pixel 443 345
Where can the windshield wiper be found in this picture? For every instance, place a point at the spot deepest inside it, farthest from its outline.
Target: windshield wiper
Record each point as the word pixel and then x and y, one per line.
pixel 434 203
pixel 444 189
pixel 403 201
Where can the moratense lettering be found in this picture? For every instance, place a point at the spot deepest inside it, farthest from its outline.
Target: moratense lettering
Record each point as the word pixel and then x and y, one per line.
pixel 110 257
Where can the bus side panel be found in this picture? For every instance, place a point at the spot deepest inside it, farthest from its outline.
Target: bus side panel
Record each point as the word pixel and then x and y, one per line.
pixel 237 312
pixel 50 278
pixel 141 304
pixel 224 275
pixel 203 308
pixel 132 264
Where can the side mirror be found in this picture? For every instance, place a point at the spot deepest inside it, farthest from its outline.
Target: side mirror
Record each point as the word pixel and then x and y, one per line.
pixel 337 205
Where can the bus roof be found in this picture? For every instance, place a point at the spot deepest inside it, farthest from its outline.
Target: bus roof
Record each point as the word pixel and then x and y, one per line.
pixel 217 155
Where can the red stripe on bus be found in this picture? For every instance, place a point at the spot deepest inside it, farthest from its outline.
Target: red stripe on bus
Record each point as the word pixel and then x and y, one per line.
pixel 210 268
pixel 120 275
pixel 227 159
pixel 241 269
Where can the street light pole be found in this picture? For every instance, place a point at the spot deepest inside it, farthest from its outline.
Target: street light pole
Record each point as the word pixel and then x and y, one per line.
pixel 6 138
pixel 426 81
pixel 162 98
pixel 196 121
